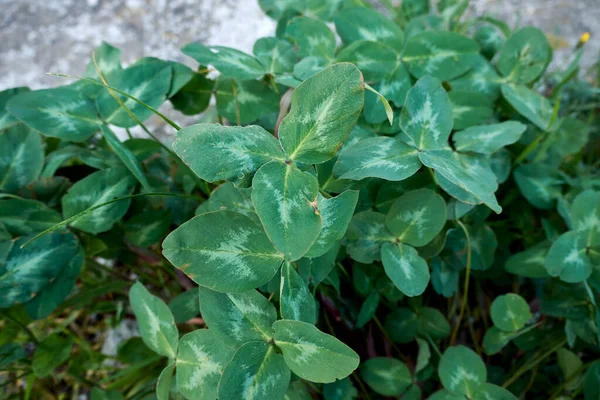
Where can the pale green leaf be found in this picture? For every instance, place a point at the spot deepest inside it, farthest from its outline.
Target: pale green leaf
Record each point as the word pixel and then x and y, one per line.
pixel 510 312
pixel 524 56
pixel 568 258
pixel 296 302
pixel 312 354
pixel 163 384
pixel 224 251
pixel 360 23
pixel 230 62
pixel 277 55
pixel 529 263
pixel 386 376
pixel 243 102
pixel 489 391
pixel 8 120
pixel 21 157
pixel 585 215
pixel 406 269
pixel 487 139
pixel 462 371
pixel 531 105
pixel 540 184
pixel 312 37
pixel 423 356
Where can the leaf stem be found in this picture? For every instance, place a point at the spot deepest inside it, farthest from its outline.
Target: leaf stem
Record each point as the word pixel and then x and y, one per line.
pixel 532 364
pixel 466 284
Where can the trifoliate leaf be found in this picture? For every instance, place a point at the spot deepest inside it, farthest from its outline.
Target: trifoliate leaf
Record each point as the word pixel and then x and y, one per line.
pixel 21 157
pixel 366 233
pixel 25 272
pixel 96 189
pixel 379 157
pixel 470 173
pixel 336 213
pixel 256 371
pixel 487 139
pixel 568 258
pixel 224 251
pixel 312 37
pixel 417 217
pixel 277 55
pixel 441 55
pixel 531 105
pixel 296 302
pixel 510 312
pixel 148 82
pixel 524 56
pixel 406 269
pixel 229 62
pixel 215 152
pixel 312 354
pixel 286 201
pixel 356 23
pixel 426 117
pixel 462 371
pixel 201 359
pixel 155 321
pixel 386 376
pixel 249 316
pixel 374 59
pixel 61 113
pixel 324 109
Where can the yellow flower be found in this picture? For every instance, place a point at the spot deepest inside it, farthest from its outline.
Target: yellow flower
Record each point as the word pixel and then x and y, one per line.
pixel 584 38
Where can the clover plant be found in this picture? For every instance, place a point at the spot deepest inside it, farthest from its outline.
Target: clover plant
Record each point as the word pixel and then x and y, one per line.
pixel 375 203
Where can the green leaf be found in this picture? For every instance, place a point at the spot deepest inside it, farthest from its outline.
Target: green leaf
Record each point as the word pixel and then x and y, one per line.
pixel 374 59
pixel 142 232
pixel 406 269
pixel 163 384
pixel 10 353
pixel 495 339
pixel 277 55
pixel 529 263
pixel 336 213
pixel 185 306
pixel 224 251
pixel 8 120
pixel 296 302
pixel 470 173
pixel 249 316
pixel 367 310
pixel 243 102
pixel 95 189
pixel 378 157
pixel 194 97
pixel 148 82
pixel 21 157
pixel 402 325
pixel 417 217
pixel 311 37
pixel 423 356
pixel 568 258
pixel 393 87
pixel 540 184
pixel 215 152
pixel 325 108
pixel 340 390
pixel 365 236
pixel 490 391
pixel 227 197
pixel 360 23
pixel 286 201
pixel 155 321
pixel 482 78
pixel 470 108
pixel 487 139
pixel 53 294
pixel 230 62
pixel 531 105
pixel 315 270
pixel 571 367
pixel 442 55
pixel 201 359
pixel 510 312
pixel 462 371
pixel 386 376
pixel 312 354
pixel 61 113
pixel 445 395
pixel 182 74
pixel 50 354
pixel 591 385
pixel 433 323
pixel 255 371
pixel 26 271
pixel 128 159
pixel 24 217
pixel 524 56
pixel 426 117
pixel 585 215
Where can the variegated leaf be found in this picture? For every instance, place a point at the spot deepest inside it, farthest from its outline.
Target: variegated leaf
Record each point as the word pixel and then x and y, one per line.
pixel 336 213
pixel 324 109
pixel 256 371
pixel 243 102
pixel 540 184
pixel 286 201
pixel 21 157
pixel 374 59
pixel 230 62
pixel 201 359
pixel 8 120
pixel 524 56
pixel 386 376
pixel 426 117
pixel 249 316
pixel 224 251
pixel 155 321
pixel 277 55
pixel 24 217
pixel 405 268
pixel 462 371
pixel 312 37
pixel 163 383
pixel 531 105
pixel 312 354
pixel 529 263
pixel 361 23
pixel 510 312
pixel 295 300
pixel 417 217
pixel 365 236
pixel 585 215
pixel 487 139
pixel 489 391
pixel 379 157
pixel 215 152
pixel 568 257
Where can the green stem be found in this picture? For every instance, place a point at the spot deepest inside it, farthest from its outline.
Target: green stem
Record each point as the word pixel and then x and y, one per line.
pixel 532 364
pixel 466 285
